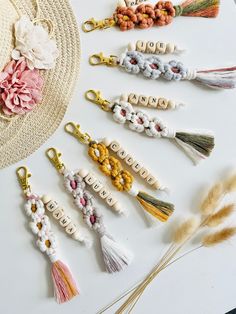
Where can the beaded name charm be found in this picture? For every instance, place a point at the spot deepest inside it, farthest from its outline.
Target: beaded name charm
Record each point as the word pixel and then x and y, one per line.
pixel 197 146
pixel 153 68
pixel 114 255
pixel 64 284
pixel 120 178
pixel 147 15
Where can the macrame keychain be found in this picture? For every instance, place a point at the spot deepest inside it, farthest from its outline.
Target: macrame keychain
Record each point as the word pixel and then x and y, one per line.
pixel 64 284
pixel 153 67
pixel 114 255
pixel 120 178
pixel 197 145
pixel 147 15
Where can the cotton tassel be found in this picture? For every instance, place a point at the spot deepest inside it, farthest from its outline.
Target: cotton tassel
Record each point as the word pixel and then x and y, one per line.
pixel 116 258
pixel 198 8
pixel 220 78
pixel 64 284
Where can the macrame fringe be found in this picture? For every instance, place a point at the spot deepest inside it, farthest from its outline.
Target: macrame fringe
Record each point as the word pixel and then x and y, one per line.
pixel 200 8
pixel 116 258
pixel 158 209
pixel 196 146
pixel 219 78
pixel 64 284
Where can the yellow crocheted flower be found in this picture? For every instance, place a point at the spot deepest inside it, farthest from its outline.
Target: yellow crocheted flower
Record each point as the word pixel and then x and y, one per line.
pixel 123 181
pixel 111 166
pixel 98 152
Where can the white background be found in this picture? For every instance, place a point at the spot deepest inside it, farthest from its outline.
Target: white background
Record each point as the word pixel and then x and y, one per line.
pixel 201 283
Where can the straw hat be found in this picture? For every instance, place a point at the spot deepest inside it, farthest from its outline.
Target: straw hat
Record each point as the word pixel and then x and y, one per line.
pixel 23 134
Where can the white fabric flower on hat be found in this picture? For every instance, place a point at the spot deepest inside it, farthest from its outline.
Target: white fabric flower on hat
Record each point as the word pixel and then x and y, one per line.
pixel 34 43
pixel 34 207
pixel 122 111
pixel 139 121
pixel 47 243
pixel 40 226
pixel 157 128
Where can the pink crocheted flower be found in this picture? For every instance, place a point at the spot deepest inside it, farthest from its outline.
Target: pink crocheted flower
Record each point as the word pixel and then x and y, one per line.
pixel 20 88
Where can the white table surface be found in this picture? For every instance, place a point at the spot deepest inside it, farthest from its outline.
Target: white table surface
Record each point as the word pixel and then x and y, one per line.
pixel 202 283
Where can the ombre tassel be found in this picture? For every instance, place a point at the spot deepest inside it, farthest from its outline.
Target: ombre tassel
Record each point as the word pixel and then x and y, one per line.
pixel 198 8
pixel 219 78
pixel 64 284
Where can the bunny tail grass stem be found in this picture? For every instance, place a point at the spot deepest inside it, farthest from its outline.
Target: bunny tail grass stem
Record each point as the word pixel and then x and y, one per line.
pixel 196 146
pixel 159 209
pixel 201 8
pixel 219 78
pixel 64 284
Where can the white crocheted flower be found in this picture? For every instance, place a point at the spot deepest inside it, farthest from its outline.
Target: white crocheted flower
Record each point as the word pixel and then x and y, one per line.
pixel 34 43
pixel 73 183
pixel 34 207
pixel 156 128
pixel 47 243
pixel 174 71
pixel 153 68
pixel 122 111
pixel 133 62
pixel 83 199
pixel 40 226
pixel 139 121
pixel 93 219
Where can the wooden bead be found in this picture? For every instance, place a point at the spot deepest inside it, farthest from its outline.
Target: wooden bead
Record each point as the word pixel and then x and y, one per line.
pixel 124 97
pixel 51 206
pixel 46 199
pixel 110 200
pixel 152 101
pixel 133 99
pixel 151 47
pixel 83 173
pixel 143 100
pixel 171 104
pixel 106 141
pixel 71 228
pixel 129 160
pixel 117 208
pixel 170 48
pixel 122 153
pixel 58 213
pixel 104 193
pixel 131 46
pixel 114 146
pixel 65 221
pixel 97 186
pixel 136 166
pixel 143 172
pixel 160 47
pixel 141 46
pixel 150 179
pixel 90 179
pixel 162 103
pixel 156 185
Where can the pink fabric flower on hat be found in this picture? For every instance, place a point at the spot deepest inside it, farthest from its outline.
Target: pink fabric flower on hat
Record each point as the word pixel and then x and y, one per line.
pixel 20 88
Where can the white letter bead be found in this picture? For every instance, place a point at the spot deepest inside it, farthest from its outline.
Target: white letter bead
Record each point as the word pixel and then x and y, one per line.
pixel 104 193
pixel 162 103
pixel 151 47
pixel 152 101
pixel 51 206
pixel 90 179
pixel 141 46
pixel 65 220
pixel 143 173
pixel 133 99
pixel 170 48
pixel 110 200
pixel 114 146
pixel 151 180
pixel 58 213
pixel 129 160
pixel 97 186
pixel 143 100
pixel 136 166
pixel 71 228
pixel 161 47
pixel 122 153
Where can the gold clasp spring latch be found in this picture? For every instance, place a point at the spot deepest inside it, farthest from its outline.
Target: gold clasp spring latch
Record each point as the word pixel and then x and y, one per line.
pixel 96 98
pixel 99 58
pixel 54 156
pixel 23 177
pixel 74 130
pixel 91 24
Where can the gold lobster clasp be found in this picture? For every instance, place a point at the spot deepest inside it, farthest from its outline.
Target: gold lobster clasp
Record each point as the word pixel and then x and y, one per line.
pixel 23 176
pixel 91 24
pixel 54 156
pixel 99 58
pixel 96 98
pixel 75 130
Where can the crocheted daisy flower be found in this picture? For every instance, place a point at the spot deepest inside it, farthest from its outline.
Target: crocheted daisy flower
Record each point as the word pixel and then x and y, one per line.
pixel 145 15
pixel 133 62
pixel 34 207
pixel 156 128
pixel 73 182
pixel 153 67
pixel 139 121
pixel 123 181
pixel 83 199
pixel 174 70
pixel 111 166
pixel 93 218
pixel 98 151
pixel 122 111
pixel 47 243
pixel 40 226
pixel 165 12
pixel 125 18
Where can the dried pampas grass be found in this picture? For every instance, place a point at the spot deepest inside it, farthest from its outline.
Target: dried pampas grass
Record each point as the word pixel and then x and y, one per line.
pixel 219 217
pixel 230 184
pixel 218 237
pixel 212 199
pixel 185 230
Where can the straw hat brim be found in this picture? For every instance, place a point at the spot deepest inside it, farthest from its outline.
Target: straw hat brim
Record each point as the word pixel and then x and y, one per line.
pixel 24 134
